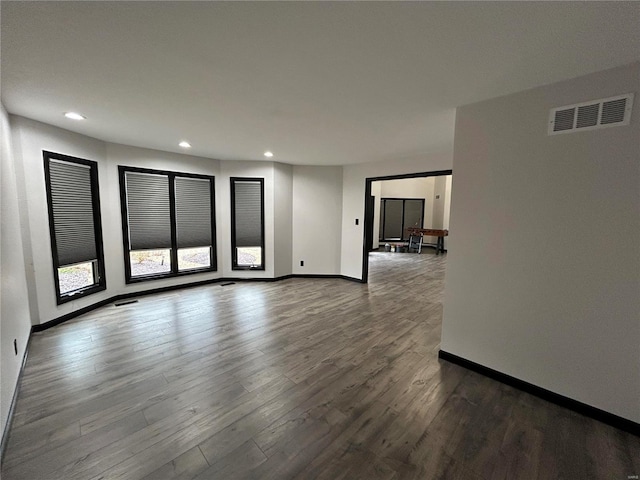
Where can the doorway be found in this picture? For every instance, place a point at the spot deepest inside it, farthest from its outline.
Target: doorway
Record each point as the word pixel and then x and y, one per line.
pixel 373 235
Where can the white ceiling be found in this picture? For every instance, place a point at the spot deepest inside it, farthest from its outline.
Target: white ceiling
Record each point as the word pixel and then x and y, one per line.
pixel 320 83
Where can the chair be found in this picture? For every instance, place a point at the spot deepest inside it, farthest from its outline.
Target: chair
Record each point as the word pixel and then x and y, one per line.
pixel 415 243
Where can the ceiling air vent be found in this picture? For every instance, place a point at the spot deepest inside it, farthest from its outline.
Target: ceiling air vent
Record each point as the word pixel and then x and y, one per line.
pixel 588 115
pixel 614 111
pixel 592 115
pixel 564 119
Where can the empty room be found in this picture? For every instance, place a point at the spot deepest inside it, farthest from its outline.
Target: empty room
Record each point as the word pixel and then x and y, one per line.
pixel 209 216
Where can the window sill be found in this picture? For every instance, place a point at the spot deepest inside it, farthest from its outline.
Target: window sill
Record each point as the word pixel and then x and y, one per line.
pixel 147 278
pixel 69 297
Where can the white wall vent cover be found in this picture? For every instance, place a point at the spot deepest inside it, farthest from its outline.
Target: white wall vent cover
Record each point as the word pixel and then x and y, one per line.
pixel 606 112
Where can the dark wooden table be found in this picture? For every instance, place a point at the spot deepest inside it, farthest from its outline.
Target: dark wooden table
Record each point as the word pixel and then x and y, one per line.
pixel 431 233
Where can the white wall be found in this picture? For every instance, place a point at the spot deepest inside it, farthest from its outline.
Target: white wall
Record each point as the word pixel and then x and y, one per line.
pixel 439 192
pixel 447 202
pixel 545 281
pixel 283 213
pixel 418 187
pixel 15 321
pixel 376 189
pixel 353 186
pixel 317 219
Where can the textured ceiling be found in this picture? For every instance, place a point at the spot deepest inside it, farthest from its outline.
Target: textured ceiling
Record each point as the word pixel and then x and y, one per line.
pixel 320 83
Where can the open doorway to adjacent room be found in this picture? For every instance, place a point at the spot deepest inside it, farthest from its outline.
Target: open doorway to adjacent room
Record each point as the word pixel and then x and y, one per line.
pixel 400 213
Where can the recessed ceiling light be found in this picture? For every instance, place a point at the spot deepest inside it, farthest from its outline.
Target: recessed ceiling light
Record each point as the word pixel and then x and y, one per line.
pixel 184 144
pixel 74 116
pixel 268 154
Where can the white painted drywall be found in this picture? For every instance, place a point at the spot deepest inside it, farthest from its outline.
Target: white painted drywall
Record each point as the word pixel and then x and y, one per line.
pixel 317 219
pixel 439 191
pixel 15 320
pixel 447 202
pixel 376 188
pixel 545 281
pixel 282 213
pixel 353 187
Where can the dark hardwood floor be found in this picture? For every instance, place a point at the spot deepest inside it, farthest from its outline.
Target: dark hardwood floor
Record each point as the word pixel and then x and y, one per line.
pixel 297 379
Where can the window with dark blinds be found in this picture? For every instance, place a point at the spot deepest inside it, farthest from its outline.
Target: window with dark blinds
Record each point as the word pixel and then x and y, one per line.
pixel 193 212
pixel 148 211
pixel 398 214
pixel 74 222
pixel 247 223
pixel 248 213
pixel 393 219
pixel 72 210
pixel 168 223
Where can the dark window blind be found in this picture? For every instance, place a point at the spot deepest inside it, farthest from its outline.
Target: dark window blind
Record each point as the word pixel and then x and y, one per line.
pixel 413 213
pixel 393 214
pixel 149 213
pixel 72 210
pixel 193 212
pixel 398 214
pixel 248 213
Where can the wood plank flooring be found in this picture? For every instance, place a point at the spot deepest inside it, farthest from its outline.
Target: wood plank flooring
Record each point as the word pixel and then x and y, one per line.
pixel 297 379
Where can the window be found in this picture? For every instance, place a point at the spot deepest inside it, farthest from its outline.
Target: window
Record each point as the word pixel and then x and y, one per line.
pixel 193 222
pixel 247 223
pixel 168 223
pixel 398 214
pixel 73 201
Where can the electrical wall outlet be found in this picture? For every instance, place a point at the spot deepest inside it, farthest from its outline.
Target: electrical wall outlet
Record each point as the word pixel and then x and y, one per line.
pixel 302 263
